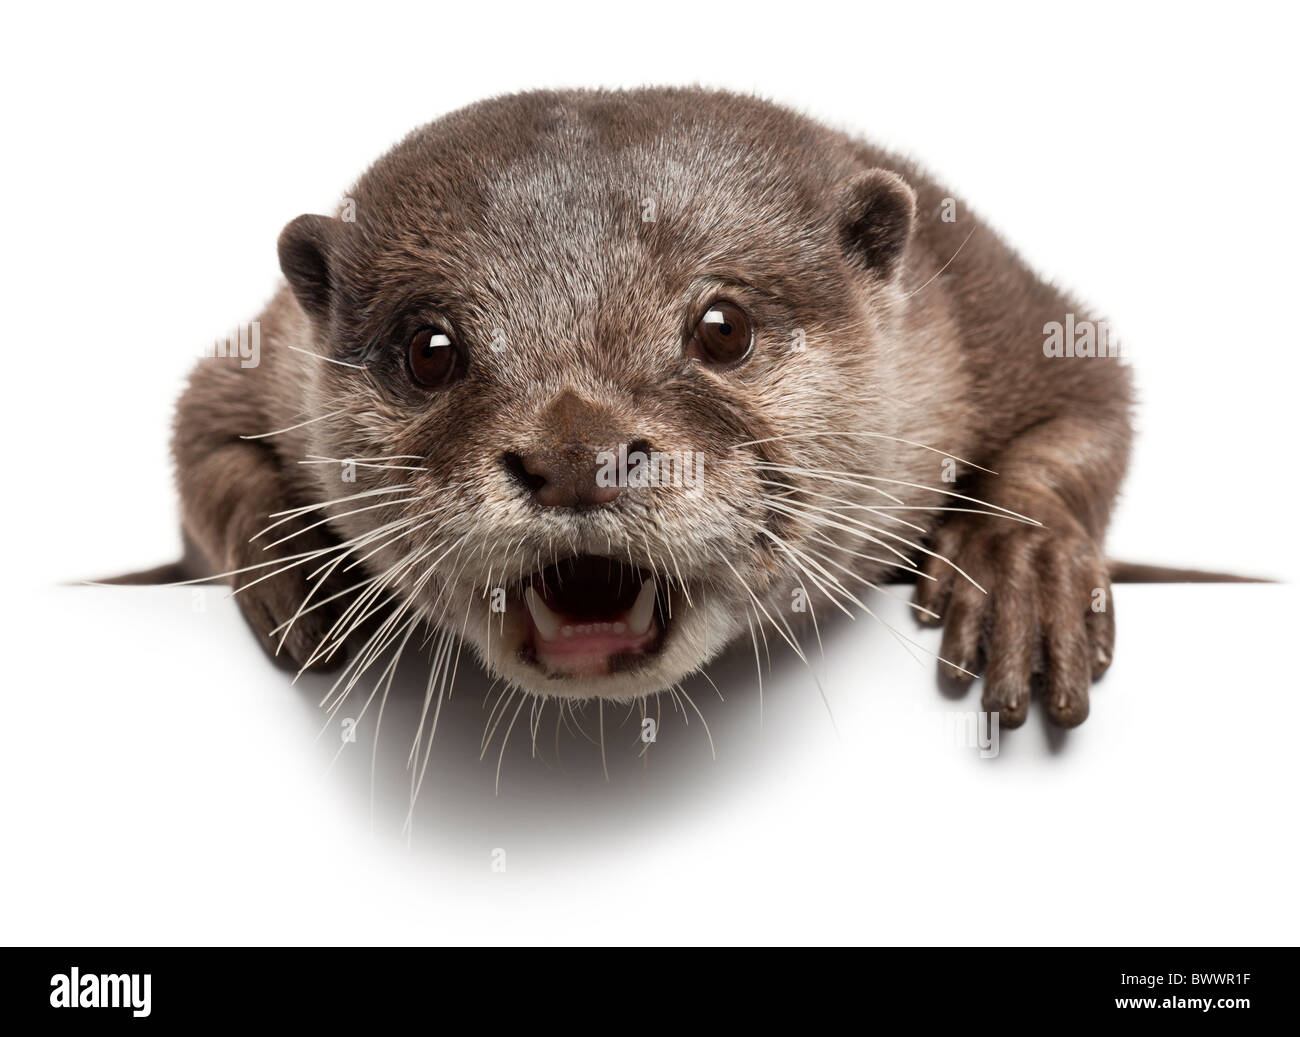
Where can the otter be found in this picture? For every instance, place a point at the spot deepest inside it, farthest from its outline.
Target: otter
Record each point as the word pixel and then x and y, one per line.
pixel 815 367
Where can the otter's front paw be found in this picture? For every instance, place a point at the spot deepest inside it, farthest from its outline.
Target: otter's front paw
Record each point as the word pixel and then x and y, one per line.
pixel 290 627
pixel 1044 618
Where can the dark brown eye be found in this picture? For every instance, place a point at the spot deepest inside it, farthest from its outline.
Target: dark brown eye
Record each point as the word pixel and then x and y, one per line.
pixel 433 358
pixel 724 334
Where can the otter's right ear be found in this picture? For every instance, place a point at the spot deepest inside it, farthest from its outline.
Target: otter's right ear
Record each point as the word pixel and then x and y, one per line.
pixel 876 213
pixel 306 257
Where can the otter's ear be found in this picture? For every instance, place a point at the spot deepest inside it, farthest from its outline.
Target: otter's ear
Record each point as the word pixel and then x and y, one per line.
pixel 306 256
pixel 876 213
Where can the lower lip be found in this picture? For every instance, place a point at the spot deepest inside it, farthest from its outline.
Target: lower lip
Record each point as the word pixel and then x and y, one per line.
pixel 588 654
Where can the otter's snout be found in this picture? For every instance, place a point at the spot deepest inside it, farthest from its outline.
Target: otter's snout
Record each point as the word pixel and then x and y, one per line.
pixel 570 475
pixel 568 464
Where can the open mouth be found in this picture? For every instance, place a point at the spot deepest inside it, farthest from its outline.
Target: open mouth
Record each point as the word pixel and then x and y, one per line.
pixel 590 616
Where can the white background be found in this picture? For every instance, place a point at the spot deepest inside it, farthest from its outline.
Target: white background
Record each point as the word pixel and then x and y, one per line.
pixel 160 782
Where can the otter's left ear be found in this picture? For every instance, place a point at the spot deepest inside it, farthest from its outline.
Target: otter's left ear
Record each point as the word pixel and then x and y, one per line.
pixel 876 213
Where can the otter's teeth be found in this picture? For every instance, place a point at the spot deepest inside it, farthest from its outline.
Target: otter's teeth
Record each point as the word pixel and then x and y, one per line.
pixel 546 621
pixel 642 612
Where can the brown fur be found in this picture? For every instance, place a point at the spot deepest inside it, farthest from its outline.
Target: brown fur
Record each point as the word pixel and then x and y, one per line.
pixel 524 214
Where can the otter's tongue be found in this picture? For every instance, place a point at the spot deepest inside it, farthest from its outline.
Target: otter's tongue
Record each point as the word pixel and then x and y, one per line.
pixel 580 623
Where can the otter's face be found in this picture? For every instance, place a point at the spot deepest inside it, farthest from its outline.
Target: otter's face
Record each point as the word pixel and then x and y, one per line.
pixel 580 336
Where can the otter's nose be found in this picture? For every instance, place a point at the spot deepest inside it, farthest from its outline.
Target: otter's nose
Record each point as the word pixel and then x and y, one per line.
pixel 567 475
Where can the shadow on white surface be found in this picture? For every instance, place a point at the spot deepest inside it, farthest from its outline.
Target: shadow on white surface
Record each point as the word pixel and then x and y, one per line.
pixel 165 784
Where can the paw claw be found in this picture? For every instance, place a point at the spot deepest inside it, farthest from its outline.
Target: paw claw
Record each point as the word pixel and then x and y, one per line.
pixel 1035 629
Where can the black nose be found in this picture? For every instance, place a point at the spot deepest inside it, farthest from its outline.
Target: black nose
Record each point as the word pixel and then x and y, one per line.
pixel 569 475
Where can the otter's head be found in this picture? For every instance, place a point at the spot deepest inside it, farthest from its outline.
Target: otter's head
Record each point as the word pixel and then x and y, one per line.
pixel 592 340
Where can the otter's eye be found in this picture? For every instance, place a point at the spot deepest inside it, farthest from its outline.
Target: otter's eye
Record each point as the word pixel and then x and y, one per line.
pixel 724 334
pixel 433 358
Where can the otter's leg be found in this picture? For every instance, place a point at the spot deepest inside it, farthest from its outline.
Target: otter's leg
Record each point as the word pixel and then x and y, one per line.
pixel 1044 617
pixel 229 487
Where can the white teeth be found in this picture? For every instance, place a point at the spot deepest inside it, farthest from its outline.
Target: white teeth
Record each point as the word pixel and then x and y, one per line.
pixel 642 612
pixel 551 626
pixel 546 621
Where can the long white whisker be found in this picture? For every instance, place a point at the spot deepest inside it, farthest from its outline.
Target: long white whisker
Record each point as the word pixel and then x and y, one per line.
pixel 329 359
pixel 294 512
pixel 864 435
pixel 332 518
pixel 900 482
pixel 316 459
pixel 309 421
pixel 945 266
